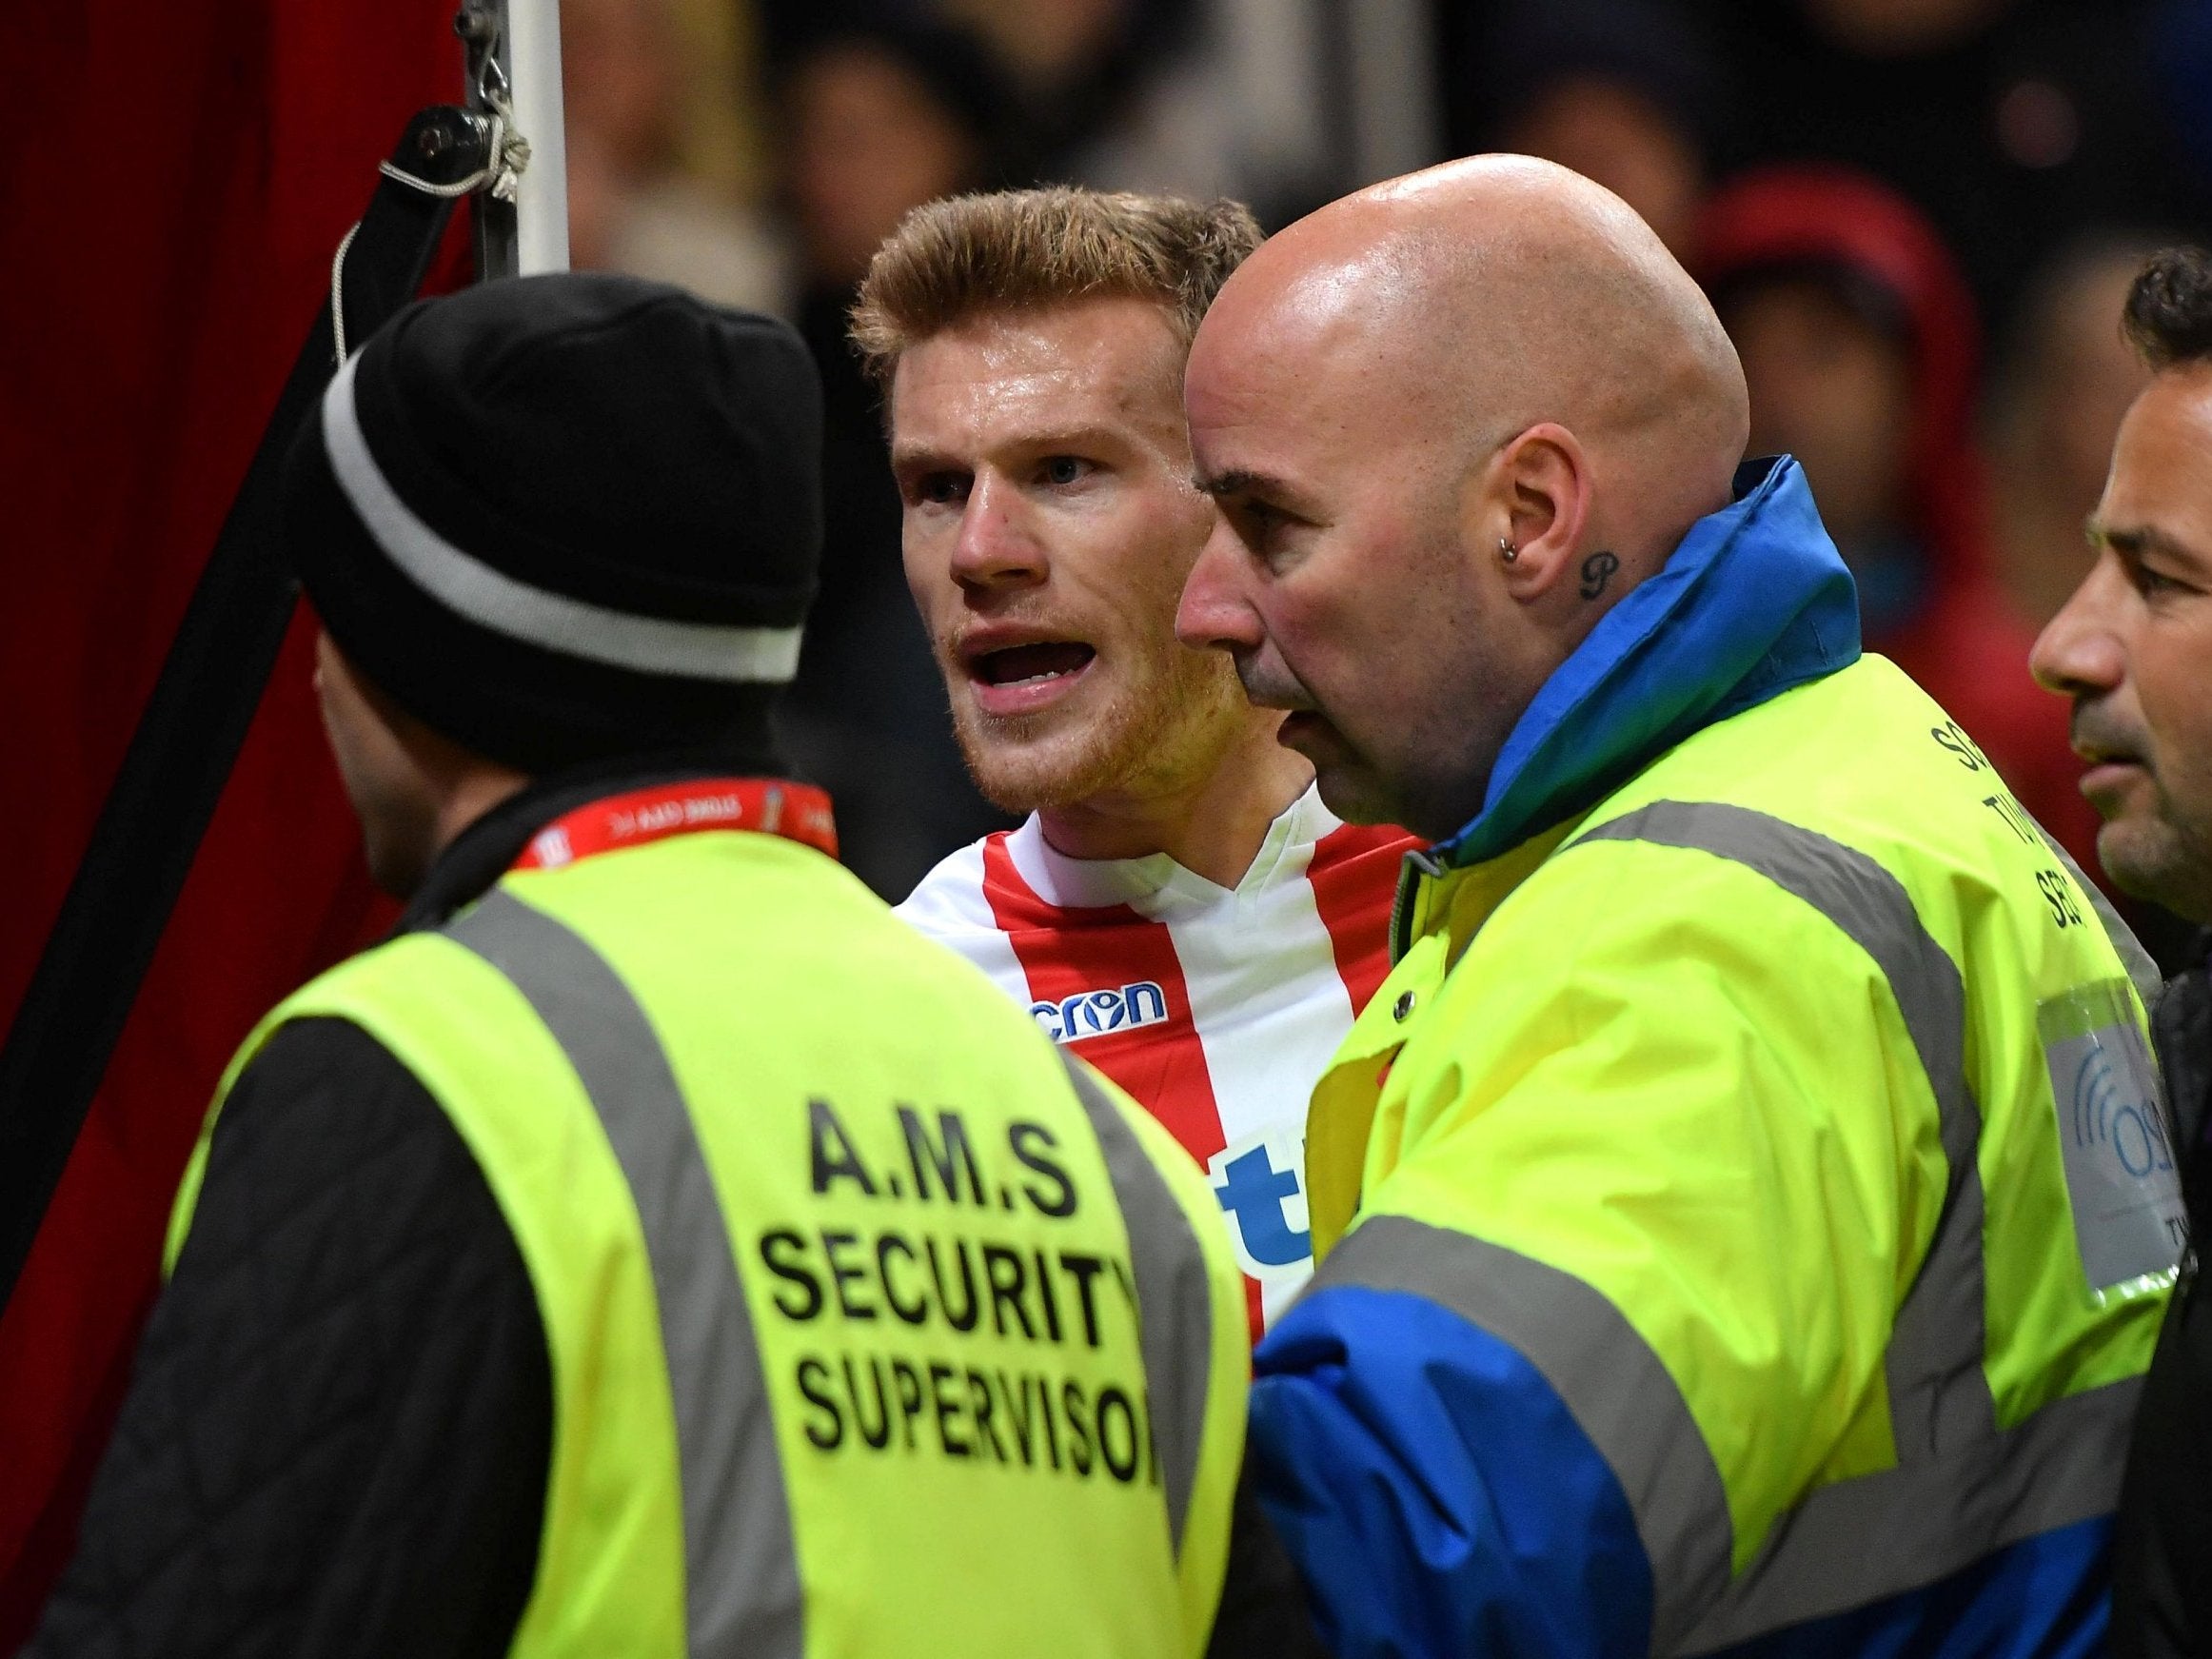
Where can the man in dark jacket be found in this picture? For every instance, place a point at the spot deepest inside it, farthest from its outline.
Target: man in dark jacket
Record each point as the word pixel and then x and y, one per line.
pixel 460 1356
pixel 2133 649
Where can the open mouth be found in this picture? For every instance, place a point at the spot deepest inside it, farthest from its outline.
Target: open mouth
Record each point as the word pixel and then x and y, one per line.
pixel 1305 730
pixel 1029 664
pixel 1028 678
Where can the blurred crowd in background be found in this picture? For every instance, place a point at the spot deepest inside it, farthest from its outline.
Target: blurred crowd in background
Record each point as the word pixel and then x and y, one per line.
pixel 1917 218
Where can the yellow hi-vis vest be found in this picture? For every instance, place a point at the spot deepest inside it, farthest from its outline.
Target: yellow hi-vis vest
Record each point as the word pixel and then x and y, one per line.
pixel 1793 1116
pixel 875 1326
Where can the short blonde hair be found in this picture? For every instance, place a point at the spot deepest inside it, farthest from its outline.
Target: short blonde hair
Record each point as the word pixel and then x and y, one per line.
pixel 1014 249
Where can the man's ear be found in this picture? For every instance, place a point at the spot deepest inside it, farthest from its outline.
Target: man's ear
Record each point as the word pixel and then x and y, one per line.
pixel 1539 494
pixel 350 694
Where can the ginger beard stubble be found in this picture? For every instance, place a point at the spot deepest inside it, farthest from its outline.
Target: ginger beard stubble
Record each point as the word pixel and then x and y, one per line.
pixel 1155 718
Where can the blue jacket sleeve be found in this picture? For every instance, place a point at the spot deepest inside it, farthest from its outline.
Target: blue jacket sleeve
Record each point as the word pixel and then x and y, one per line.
pixel 1434 1492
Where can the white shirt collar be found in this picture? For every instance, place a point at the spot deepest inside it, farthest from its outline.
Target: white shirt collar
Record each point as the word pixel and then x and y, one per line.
pixel 1155 883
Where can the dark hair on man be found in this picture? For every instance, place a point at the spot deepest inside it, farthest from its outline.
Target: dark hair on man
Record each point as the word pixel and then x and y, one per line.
pixel 2169 309
pixel 1014 249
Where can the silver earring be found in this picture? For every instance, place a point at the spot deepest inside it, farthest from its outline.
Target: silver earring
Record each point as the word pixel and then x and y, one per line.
pixel 1507 550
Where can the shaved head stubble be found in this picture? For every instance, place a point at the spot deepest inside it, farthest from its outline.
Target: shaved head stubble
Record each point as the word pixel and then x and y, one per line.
pixel 1492 354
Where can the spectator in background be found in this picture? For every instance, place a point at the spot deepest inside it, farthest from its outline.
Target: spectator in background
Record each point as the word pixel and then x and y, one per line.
pixel 1076 62
pixel 878 119
pixel 2011 123
pixel 2181 56
pixel 2065 382
pixel 1897 29
pixel 1623 91
pixel 664 165
pixel 1859 342
pixel 1200 98
pixel 1278 103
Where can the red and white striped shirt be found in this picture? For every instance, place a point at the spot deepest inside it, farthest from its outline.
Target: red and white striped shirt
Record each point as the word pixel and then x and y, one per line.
pixel 1216 1008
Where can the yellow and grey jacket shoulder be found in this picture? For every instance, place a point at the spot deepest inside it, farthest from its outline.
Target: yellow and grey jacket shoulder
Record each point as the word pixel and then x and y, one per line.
pixel 874 1326
pixel 1746 1211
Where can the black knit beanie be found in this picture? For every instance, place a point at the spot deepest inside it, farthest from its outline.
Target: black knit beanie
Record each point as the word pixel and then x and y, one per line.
pixel 569 518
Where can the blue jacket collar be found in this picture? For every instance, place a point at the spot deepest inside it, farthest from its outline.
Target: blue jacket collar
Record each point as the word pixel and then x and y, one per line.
pixel 1754 601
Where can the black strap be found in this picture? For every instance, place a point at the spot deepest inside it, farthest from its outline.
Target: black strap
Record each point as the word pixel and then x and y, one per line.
pixel 181 755
pixel 2181 1025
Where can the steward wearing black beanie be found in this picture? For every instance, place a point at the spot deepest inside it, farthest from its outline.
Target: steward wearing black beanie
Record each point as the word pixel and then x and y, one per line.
pixel 484 1332
pixel 567 518
pixel 561 533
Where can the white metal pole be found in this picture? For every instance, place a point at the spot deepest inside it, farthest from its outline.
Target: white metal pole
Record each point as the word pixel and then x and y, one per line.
pixel 533 62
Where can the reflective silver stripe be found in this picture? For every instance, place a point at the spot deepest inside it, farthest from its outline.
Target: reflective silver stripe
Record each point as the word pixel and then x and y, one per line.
pixel 1938 1395
pixel 742 1593
pixel 1859 1540
pixel 1174 1298
pixel 1961 1489
pixel 1617 1389
pixel 491 599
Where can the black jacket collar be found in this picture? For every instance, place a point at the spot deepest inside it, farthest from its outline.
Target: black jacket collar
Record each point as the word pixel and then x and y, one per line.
pixel 2181 1026
pixel 483 852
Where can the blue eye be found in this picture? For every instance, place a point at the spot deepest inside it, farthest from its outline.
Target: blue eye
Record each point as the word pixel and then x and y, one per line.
pixel 1062 470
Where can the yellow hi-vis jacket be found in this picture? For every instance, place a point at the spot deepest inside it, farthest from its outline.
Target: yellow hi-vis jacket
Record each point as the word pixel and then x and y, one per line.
pixel 1744 1213
pixel 875 1326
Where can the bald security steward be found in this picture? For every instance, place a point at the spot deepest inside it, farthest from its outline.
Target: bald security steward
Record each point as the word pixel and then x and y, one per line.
pixel 1742 1216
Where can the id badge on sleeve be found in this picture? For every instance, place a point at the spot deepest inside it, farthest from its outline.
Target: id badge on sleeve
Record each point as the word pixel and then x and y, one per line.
pixel 2129 1222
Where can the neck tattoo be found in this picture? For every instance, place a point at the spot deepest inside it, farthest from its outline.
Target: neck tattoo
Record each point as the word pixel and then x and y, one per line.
pixel 1596 571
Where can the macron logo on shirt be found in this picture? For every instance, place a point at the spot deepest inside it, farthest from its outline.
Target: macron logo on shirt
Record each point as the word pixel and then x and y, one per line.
pixel 1216 1008
pixel 1095 1013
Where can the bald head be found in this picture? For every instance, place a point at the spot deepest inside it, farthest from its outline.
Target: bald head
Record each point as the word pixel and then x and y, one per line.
pixel 1495 294
pixel 1487 389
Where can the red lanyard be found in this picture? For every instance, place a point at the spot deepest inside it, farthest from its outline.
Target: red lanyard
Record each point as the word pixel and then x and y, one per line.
pixel 797 812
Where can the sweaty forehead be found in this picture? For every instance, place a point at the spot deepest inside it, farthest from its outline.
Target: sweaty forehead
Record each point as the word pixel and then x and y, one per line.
pixel 1291 370
pixel 1281 318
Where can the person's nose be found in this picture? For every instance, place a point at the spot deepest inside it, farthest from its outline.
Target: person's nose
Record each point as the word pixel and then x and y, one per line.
pixel 2080 652
pixel 995 547
pixel 1215 612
